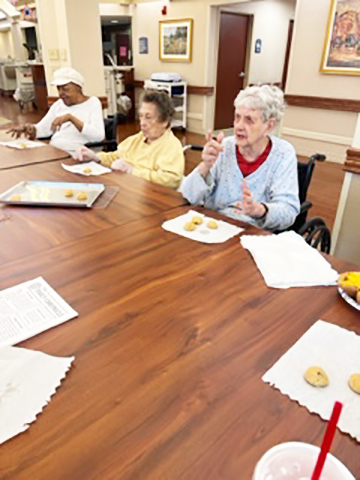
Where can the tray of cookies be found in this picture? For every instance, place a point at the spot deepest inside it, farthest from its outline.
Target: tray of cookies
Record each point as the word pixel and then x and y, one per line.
pixel 52 194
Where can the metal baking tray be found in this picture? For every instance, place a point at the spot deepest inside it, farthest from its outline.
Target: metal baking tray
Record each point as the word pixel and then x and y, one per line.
pixel 52 194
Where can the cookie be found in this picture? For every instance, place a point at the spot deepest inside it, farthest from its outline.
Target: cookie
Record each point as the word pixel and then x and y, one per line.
pixel 212 224
pixel 68 192
pixel 197 220
pixel 316 376
pixel 189 226
pixel 15 198
pixel 82 196
pixel 354 382
pixel 87 170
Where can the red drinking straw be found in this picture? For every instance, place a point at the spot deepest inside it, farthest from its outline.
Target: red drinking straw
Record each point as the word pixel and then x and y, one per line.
pixel 328 438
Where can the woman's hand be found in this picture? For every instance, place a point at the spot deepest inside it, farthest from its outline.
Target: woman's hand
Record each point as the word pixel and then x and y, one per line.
pixel 211 151
pixel 84 154
pixel 248 206
pixel 57 123
pixel 27 129
pixel 122 166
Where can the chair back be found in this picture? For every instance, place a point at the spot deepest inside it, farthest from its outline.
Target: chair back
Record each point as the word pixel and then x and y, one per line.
pixel 305 171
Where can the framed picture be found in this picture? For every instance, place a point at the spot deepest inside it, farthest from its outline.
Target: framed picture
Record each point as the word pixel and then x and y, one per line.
pixel 175 40
pixel 341 53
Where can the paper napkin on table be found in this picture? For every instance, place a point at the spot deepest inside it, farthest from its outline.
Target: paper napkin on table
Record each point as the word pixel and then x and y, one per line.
pixel 286 260
pixel 202 233
pixel 81 168
pixel 28 380
pixel 22 143
pixel 335 350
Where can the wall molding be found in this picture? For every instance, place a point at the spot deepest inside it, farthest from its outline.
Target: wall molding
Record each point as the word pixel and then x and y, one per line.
pixel 352 162
pixel 325 103
pixel 191 89
pixel 319 136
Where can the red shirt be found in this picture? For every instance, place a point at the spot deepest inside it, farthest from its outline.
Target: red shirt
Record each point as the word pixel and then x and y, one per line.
pixel 250 167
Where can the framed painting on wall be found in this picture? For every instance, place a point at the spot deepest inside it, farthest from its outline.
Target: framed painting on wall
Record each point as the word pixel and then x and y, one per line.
pixel 175 40
pixel 341 53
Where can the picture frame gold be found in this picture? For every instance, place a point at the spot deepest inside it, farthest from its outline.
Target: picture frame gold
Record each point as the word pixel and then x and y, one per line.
pixel 341 53
pixel 175 40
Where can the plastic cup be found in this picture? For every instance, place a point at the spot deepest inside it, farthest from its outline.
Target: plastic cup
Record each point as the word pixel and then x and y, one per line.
pixel 296 461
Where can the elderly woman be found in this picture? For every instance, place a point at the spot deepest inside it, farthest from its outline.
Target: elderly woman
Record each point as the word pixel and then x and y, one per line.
pixel 154 154
pixel 73 120
pixel 251 176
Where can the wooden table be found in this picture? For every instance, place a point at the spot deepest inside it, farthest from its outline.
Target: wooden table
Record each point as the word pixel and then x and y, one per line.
pixel 26 230
pixel 12 157
pixel 171 342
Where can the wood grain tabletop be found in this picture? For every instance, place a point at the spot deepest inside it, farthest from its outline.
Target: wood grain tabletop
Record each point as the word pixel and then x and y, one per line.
pixel 26 230
pixel 171 342
pixel 12 157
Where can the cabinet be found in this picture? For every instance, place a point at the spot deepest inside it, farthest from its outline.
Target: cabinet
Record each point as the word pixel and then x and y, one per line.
pixel 177 91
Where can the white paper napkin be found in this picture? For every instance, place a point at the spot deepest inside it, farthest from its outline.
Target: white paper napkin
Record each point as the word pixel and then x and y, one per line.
pixel 22 143
pixel 334 349
pixel 286 260
pixel 96 168
pixel 28 380
pixel 202 233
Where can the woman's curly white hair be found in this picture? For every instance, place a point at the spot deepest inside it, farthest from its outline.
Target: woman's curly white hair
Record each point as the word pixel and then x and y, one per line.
pixel 267 98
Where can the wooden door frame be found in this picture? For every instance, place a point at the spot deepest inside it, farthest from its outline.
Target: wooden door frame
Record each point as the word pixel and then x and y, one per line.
pixel 213 41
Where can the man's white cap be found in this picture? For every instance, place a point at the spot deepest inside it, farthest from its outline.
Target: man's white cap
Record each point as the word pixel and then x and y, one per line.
pixel 65 75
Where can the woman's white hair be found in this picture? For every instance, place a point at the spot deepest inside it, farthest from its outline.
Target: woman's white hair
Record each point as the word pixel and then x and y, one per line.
pixel 267 98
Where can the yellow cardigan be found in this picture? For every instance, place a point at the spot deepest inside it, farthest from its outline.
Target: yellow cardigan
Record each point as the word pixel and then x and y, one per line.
pixel 161 161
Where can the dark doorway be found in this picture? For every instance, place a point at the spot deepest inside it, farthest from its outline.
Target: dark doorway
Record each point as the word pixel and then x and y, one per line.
pixel 231 65
pixel 287 54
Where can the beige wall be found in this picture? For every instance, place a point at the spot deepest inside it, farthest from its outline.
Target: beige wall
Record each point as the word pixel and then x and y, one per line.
pixel 269 17
pixel 71 36
pixel 311 130
pixel 202 70
pixel 6 44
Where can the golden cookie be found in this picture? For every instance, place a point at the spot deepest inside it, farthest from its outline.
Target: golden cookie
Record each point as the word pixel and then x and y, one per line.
pixel 316 376
pixel 212 224
pixel 82 196
pixel 350 283
pixel 354 382
pixel 197 220
pixel 15 198
pixel 87 170
pixel 68 192
pixel 189 226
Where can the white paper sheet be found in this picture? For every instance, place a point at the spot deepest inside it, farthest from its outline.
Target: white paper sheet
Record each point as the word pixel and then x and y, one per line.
pixel 337 351
pixel 286 260
pixel 202 233
pixel 22 143
pixel 29 309
pixel 96 168
pixel 23 391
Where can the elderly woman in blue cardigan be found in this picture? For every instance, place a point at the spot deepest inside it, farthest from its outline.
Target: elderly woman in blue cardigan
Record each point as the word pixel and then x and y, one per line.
pixel 251 176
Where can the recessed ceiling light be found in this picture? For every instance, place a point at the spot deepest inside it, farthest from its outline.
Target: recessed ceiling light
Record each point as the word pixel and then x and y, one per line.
pixel 114 21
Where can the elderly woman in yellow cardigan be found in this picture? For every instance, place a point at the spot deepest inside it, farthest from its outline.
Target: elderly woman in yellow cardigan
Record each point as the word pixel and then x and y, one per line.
pixel 154 153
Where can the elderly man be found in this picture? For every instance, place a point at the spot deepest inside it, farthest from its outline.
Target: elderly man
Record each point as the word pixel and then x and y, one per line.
pixel 251 176
pixel 73 120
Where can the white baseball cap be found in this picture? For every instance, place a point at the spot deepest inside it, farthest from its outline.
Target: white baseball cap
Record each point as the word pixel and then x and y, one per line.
pixel 65 75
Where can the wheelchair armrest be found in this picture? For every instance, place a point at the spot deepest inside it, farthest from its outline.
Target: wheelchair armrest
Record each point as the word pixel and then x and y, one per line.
pixel 305 206
pixel 198 148
pixel 320 157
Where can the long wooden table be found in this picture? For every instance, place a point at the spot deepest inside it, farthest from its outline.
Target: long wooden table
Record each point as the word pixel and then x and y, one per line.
pixel 171 342
pixel 26 230
pixel 12 157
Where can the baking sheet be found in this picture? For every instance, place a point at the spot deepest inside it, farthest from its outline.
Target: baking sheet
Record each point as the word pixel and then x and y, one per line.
pixel 52 194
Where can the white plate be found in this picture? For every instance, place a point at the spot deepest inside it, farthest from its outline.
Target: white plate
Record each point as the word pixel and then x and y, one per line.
pixel 348 299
